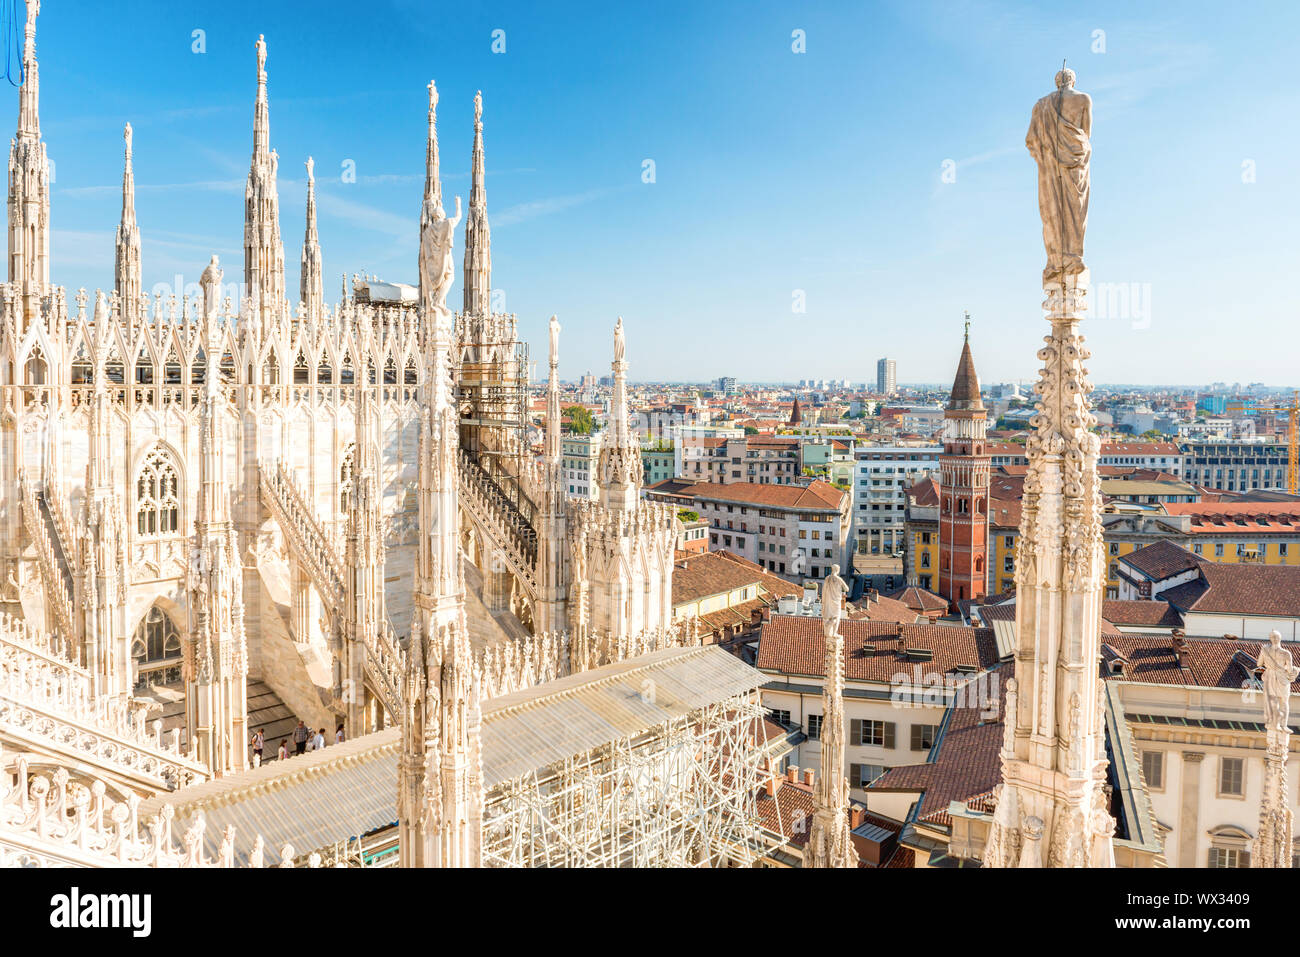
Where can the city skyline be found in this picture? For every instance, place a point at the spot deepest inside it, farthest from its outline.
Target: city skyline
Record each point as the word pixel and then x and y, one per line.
pixel 882 243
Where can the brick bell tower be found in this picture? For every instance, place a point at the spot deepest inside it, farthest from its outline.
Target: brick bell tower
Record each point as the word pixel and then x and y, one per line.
pixel 964 487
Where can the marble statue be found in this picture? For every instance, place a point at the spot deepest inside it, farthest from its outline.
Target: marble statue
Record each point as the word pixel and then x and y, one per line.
pixel 210 281
pixel 1060 128
pixel 555 336
pixel 435 251
pixel 1279 672
pixel 833 593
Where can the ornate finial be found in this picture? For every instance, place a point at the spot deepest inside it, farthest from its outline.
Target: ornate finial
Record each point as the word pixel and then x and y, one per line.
pixel 33 11
pixel 311 170
pixel 967 314
pixel 126 134
pixel 478 108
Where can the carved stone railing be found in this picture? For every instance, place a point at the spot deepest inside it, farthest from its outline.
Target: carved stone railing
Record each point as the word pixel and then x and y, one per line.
pixel 50 820
pixel 58 586
pixel 303 533
pixel 509 529
pixel 385 667
pixel 48 702
pixel 62 518
pixel 515 666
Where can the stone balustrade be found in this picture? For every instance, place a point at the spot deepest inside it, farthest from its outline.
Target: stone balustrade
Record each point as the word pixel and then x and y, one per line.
pixel 509 529
pixel 58 587
pixel 304 535
pixel 50 820
pixel 48 701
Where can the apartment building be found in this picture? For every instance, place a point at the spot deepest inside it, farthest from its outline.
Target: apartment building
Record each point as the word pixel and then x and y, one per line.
pixel 795 531
pixel 881 476
pixel 579 455
pixel 1236 466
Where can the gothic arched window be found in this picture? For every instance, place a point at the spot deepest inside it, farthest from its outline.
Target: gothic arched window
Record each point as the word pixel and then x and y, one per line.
pixel 156 641
pixel 157 495
pixel 345 476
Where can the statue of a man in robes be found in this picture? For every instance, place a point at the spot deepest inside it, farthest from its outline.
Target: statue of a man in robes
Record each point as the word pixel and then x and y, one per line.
pixel 620 344
pixel 834 592
pixel 436 265
pixel 1059 140
pixel 1279 672
pixel 210 283
pixel 555 338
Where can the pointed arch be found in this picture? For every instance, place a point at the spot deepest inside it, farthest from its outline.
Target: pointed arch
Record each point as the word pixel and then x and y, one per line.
pixel 158 494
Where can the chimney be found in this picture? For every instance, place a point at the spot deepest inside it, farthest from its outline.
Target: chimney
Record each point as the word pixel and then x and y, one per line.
pixel 808 777
pixel 792 773
pixel 856 814
pixel 773 784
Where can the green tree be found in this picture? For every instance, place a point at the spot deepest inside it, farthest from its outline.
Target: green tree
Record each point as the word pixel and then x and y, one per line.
pixel 751 430
pixel 580 419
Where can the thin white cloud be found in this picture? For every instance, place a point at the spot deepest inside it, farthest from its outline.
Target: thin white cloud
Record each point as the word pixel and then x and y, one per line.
pixel 522 212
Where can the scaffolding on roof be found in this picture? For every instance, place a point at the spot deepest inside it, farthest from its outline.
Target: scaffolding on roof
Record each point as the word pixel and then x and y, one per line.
pixel 680 794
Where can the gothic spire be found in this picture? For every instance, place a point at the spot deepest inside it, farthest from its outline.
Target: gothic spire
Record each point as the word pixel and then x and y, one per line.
pixel 829 842
pixel 620 454
pixel 432 174
pixel 478 241
pixel 262 110
pixel 29 184
pixel 431 211
pixel 126 272
pixel 29 118
pixel 263 250
pixel 553 446
pixel 312 280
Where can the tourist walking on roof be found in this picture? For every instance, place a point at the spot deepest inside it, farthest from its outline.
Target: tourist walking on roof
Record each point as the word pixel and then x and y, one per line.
pixel 300 738
pixel 259 740
pixel 284 749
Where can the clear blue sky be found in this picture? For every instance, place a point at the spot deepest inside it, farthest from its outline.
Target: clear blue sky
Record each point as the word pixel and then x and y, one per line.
pixel 775 171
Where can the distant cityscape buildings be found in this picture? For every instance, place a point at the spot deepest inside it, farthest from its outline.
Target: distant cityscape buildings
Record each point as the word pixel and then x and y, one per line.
pixel 886 376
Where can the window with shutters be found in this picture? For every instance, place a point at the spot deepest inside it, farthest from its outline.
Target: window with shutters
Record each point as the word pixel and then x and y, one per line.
pixel 923 736
pixel 1153 768
pixel 878 734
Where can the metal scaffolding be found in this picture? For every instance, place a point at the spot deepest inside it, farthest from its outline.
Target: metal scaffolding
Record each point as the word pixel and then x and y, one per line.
pixel 679 794
pixel 491 375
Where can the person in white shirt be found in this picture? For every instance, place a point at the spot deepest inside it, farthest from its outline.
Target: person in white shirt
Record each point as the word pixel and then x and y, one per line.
pixel 318 742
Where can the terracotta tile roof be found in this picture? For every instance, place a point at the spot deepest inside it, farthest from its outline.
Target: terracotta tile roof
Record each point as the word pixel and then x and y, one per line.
pixel 964 765
pixel 698 575
pixel 1238 588
pixel 1253 517
pixel 817 495
pixel 1206 662
pixel 671 486
pixel 873 651
pixel 1006 448
pixel 788 813
pixel 1156 613
pixel 1161 559
pixel 883 608
pixel 920 600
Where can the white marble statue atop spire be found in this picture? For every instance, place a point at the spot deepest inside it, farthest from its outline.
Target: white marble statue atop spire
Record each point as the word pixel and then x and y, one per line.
pixel 1060 128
